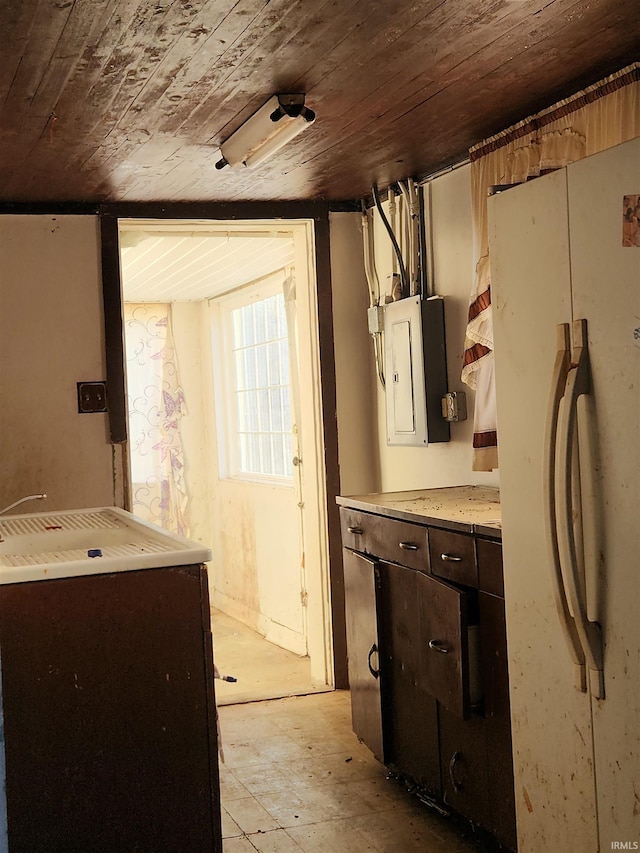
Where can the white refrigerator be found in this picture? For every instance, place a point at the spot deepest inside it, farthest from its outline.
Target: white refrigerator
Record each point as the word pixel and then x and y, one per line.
pixel 569 445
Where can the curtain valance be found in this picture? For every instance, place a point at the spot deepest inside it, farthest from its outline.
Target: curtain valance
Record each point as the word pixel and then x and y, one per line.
pixel 596 118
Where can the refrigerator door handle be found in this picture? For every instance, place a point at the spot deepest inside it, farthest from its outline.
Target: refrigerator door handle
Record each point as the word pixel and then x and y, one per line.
pixel 578 384
pixel 567 622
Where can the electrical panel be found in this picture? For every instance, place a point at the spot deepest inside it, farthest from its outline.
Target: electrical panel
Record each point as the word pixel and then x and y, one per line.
pixel 416 371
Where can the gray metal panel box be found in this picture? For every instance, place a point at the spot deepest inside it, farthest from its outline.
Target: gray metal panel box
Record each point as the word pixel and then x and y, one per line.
pixel 416 370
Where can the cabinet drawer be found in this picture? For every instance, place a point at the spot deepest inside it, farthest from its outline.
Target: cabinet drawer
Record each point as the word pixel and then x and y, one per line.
pixel 355 527
pixel 385 538
pixel 400 542
pixel 452 556
pixel 490 567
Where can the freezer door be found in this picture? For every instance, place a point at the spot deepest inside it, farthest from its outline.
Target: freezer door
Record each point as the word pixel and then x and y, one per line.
pixel 606 291
pixel 551 720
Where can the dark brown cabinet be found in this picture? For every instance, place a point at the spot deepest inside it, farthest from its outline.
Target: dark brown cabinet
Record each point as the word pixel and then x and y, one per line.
pixel 465 776
pixel 444 643
pixel 363 654
pixel 436 618
pixel 497 720
pixel 109 714
pixel 409 710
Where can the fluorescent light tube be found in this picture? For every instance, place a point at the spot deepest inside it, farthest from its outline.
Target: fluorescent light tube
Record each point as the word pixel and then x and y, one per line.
pixel 261 136
pixel 289 129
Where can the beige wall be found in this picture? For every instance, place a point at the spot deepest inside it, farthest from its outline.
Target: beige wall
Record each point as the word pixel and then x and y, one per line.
pixel 358 456
pixel 361 402
pixel 51 337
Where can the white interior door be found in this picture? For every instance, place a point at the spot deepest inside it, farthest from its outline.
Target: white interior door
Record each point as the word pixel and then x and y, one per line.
pixel 260 570
pixel 551 720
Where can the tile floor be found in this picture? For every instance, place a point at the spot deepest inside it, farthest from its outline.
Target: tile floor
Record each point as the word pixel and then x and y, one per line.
pixel 295 778
pixel 263 670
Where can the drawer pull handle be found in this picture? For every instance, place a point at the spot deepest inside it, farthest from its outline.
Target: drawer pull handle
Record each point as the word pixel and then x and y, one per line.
pixel 457 786
pixel 357 531
pixel 449 558
pixel 408 546
pixel 438 646
pixel 374 672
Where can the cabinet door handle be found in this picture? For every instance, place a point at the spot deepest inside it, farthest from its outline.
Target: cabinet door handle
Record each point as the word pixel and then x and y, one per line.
pixel 408 546
pixel 374 672
pixel 457 786
pixel 357 531
pixel 449 558
pixel 438 646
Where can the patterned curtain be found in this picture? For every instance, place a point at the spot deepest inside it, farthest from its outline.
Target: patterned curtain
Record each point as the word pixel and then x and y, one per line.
pixel 604 115
pixel 156 405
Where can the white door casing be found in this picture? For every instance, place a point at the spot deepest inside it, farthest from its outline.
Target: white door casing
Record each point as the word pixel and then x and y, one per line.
pixel 311 586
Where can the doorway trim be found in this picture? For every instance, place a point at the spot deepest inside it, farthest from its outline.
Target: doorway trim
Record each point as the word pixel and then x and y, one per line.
pixel 318 213
pixel 314 446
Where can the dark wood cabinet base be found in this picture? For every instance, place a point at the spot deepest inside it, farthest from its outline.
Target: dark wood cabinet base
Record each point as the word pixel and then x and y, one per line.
pixel 109 713
pixel 440 701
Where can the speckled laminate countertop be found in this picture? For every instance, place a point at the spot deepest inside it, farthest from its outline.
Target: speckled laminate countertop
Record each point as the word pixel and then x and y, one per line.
pixel 470 509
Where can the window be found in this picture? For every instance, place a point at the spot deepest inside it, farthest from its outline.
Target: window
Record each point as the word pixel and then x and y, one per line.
pixel 258 406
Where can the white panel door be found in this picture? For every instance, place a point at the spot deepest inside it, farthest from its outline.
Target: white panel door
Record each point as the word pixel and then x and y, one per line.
pixel 606 288
pixel 551 720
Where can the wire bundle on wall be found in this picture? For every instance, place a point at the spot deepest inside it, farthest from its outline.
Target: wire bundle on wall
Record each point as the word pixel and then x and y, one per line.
pixel 374 294
pixel 403 227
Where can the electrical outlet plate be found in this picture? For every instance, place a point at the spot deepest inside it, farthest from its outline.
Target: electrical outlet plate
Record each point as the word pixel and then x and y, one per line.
pixel 454 406
pixel 92 397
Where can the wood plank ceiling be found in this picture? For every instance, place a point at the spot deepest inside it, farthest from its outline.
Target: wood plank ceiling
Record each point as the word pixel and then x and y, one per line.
pixel 123 100
pixel 179 262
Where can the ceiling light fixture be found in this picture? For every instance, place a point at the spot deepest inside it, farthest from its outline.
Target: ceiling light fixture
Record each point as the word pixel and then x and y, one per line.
pixel 281 119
